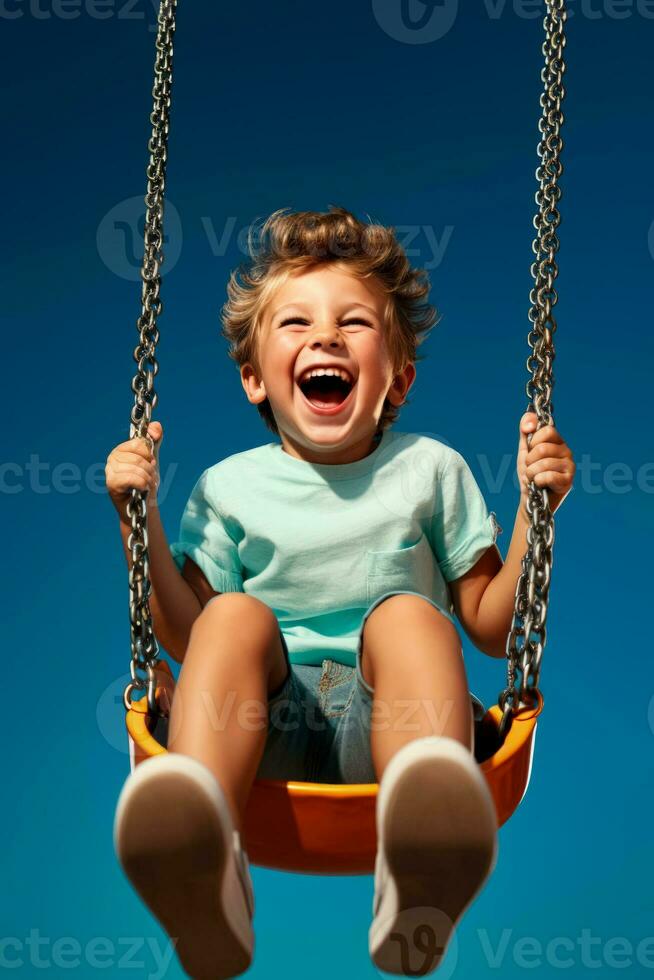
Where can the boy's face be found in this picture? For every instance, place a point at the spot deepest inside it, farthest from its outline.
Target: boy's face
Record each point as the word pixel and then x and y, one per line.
pixel 326 317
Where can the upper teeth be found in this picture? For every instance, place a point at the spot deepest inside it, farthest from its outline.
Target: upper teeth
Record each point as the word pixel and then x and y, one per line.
pixel 330 372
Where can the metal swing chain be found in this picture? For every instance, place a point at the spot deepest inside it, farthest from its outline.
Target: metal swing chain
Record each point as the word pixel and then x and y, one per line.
pixel 145 648
pixel 532 589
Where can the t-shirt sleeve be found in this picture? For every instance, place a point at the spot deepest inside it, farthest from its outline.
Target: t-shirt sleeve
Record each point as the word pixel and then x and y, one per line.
pixel 204 537
pixel 462 528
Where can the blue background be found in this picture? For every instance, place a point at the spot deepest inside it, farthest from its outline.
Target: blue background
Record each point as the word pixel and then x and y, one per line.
pixel 305 105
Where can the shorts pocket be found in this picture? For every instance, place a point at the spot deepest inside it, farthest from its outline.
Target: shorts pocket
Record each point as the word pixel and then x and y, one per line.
pixel 335 689
pixel 410 569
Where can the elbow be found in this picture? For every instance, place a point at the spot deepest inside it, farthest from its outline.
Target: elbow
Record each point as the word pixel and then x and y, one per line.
pixel 490 641
pixel 176 656
pixel 497 650
pixel 175 646
pixel 497 653
pixel 180 646
pixel 492 648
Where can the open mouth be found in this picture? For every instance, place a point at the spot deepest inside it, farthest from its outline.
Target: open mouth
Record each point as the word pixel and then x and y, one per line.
pixel 327 392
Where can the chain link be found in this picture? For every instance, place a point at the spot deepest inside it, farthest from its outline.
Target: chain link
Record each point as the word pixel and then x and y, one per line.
pixel 526 640
pixel 145 648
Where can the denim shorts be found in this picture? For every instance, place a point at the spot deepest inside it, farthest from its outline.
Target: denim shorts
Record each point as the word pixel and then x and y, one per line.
pixel 320 719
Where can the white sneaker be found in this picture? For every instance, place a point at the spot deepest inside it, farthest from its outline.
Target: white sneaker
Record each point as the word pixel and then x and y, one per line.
pixel 436 846
pixel 175 838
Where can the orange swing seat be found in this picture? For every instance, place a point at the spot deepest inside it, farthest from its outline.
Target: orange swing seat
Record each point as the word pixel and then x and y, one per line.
pixel 329 828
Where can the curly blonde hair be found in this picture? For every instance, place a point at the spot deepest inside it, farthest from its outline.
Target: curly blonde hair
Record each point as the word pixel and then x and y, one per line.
pixel 302 240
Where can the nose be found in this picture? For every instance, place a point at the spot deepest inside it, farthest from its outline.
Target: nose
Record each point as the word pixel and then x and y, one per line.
pixel 326 334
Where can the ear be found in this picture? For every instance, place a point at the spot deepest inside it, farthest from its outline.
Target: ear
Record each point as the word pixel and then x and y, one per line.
pixel 401 384
pixel 254 387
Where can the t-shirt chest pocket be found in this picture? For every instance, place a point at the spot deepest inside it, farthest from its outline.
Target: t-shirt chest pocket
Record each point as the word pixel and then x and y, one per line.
pixel 410 569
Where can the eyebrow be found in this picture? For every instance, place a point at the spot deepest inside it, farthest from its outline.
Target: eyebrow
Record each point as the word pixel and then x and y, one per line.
pixel 299 304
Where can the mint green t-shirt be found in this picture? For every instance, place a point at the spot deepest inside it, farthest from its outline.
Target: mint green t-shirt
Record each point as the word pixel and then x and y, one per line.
pixel 320 543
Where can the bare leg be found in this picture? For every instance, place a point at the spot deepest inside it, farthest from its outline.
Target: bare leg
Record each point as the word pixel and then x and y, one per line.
pixel 412 656
pixel 219 713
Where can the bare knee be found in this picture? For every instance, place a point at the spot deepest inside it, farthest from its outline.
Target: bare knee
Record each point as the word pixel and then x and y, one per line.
pixel 241 616
pixel 392 619
pixel 398 609
pixel 235 605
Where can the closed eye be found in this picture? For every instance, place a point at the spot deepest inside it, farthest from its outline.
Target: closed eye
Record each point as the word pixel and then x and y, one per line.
pixel 295 319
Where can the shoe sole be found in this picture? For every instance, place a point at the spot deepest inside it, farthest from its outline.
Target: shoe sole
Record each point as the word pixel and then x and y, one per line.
pixel 173 834
pixel 437 829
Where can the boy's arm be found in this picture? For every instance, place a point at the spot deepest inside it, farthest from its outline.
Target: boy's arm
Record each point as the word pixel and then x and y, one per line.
pixel 484 598
pixel 486 594
pixel 174 602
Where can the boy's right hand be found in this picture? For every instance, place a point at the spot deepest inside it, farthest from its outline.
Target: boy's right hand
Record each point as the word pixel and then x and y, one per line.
pixel 131 465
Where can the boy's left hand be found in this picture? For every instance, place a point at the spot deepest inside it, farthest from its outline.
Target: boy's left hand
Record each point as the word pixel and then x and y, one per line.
pixel 548 463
